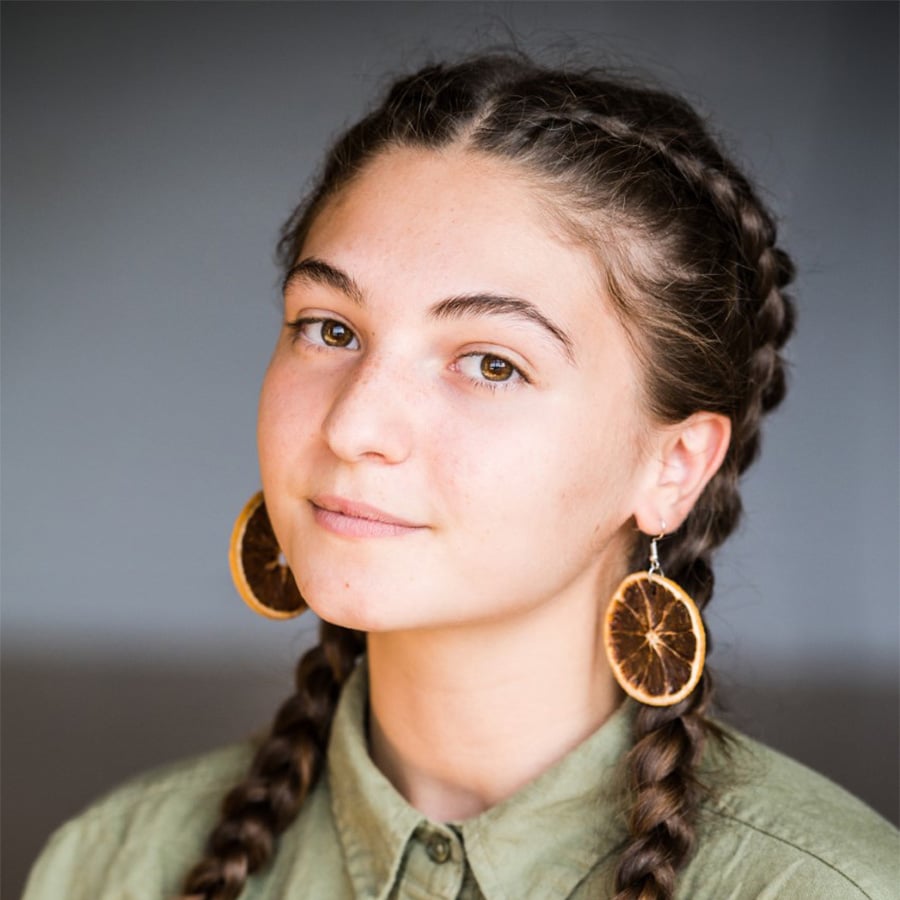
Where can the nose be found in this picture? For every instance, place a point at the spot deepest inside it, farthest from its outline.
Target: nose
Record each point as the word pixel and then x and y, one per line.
pixel 371 414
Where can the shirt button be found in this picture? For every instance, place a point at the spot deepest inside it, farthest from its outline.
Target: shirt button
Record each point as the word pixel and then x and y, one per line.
pixel 438 848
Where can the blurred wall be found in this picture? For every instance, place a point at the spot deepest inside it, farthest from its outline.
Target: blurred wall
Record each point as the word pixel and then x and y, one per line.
pixel 150 152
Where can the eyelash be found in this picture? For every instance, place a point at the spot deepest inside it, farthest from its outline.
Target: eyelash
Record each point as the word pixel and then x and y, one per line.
pixel 518 376
pixel 298 325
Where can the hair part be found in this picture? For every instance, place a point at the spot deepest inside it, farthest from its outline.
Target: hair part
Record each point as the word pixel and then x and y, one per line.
pixel 691 264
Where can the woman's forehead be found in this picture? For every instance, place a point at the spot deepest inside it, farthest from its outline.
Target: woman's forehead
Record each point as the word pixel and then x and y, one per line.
pixel 455 215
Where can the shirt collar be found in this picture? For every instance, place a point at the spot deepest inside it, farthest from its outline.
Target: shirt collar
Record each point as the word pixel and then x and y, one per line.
pixel 552 832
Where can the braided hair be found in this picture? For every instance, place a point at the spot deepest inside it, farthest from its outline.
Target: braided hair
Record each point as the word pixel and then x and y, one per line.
pixel 689 253
pixel 284 770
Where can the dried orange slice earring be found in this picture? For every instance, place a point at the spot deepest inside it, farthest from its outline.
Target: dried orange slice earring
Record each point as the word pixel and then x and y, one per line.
pixel 654 637
pixel 258 567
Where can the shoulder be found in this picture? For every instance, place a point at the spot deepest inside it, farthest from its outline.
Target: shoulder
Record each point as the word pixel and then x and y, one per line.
pixel 181 793
pixel 144 833
pixel 772 827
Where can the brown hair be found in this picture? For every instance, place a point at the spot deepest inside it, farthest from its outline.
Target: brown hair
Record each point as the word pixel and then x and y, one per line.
pixel 697 280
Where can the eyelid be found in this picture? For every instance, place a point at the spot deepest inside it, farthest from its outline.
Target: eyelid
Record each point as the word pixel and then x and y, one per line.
pixel 297 325
pixel 515 357
pixel 519 375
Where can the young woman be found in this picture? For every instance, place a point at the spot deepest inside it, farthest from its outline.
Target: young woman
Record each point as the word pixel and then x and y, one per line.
pixel 532 322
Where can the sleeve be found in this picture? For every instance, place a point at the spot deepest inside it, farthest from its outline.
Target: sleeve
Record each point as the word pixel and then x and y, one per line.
pixel 118 854
pixel 99 858
pixel 138 842
pixel 742 861
pixel 772 828
pixel 51 874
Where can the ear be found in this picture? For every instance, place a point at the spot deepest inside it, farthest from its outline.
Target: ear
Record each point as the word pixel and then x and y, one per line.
pixel 687 456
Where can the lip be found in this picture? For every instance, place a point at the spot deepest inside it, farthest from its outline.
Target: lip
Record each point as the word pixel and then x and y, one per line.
pixel 353 519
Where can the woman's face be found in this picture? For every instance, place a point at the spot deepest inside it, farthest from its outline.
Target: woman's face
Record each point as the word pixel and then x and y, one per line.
pixel 449 427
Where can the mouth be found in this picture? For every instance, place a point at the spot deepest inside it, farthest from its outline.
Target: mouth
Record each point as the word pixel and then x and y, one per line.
pixel 352 519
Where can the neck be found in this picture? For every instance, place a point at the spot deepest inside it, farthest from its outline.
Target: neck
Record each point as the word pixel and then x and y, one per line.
pixel 463 717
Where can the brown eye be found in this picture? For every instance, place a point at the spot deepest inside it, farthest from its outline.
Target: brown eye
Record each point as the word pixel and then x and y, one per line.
pixel 336 334
pixel 496 369
pixel 327 333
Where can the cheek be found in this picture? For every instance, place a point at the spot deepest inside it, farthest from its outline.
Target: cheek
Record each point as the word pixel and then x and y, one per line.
pixel 516 474
pixel 576 475
pixel 270 419
pixel 286 422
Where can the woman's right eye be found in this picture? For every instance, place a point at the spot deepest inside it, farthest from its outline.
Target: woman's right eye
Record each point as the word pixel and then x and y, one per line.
pixel 325 333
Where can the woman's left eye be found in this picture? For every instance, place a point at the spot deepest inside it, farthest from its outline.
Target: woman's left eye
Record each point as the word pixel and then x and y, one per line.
pixel 325 333
pixel 489 370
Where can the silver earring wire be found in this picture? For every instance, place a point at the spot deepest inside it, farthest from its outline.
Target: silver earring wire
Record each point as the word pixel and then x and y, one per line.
pixel 655 567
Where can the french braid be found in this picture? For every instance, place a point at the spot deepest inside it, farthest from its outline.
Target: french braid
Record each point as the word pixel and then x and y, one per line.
pixel 284 770
pixel 693 271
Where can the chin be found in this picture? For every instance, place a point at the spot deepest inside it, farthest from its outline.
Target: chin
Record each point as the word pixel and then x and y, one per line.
pixel 338 603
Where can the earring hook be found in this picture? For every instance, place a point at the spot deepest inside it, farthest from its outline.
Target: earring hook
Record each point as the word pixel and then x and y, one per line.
pixel 655 567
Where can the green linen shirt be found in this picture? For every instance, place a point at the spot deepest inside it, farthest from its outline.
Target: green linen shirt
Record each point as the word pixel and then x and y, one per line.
pixel 771 828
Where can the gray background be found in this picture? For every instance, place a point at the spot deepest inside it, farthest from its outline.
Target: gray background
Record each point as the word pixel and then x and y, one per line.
pixel 149 153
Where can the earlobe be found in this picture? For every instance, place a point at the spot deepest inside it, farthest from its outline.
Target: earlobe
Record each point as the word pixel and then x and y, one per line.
pixel 690 453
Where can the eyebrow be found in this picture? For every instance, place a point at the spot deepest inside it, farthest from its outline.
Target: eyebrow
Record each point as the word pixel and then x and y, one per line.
pixel 488 304
pixel 317 271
